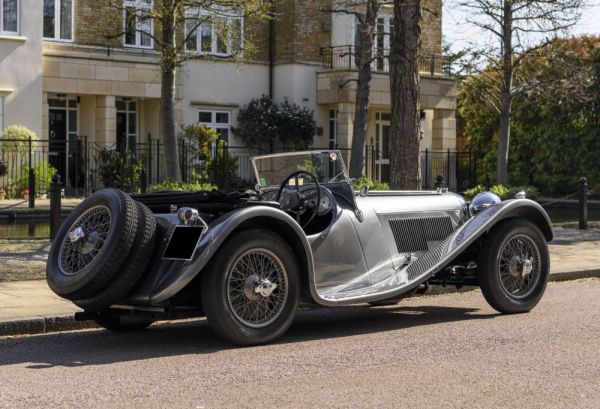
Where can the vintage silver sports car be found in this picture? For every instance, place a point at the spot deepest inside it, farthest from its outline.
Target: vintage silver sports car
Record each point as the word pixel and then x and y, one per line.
pixel 303 237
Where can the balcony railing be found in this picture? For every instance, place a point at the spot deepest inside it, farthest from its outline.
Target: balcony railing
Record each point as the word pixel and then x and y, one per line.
pixel 343 57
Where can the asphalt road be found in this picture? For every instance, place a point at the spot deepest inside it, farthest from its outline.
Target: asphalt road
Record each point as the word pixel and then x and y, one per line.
pixel 443 351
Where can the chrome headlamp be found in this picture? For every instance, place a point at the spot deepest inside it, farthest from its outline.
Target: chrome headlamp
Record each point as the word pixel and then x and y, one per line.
pixel 482 201
pixel 188 216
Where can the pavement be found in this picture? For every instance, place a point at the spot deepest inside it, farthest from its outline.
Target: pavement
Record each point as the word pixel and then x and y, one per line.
pixel 29 306
pixel 444 351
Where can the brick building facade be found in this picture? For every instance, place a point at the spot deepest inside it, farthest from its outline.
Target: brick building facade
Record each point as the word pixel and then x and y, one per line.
pixel 89 77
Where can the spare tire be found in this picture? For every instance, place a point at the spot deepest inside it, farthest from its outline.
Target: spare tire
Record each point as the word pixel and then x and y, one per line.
pixel 132 269
pixel 92 244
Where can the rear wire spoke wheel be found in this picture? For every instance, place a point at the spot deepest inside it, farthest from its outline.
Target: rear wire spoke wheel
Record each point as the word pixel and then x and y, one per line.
pixel 251 289
pixel 257 287
pixel 514 265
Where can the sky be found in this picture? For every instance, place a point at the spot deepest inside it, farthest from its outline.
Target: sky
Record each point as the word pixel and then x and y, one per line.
pixel 460 34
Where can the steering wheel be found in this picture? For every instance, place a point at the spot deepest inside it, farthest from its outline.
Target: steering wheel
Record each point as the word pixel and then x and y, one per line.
pixel 296 202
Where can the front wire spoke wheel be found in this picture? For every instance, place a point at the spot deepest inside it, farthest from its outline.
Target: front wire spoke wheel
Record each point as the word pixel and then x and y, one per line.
pixel 519 266
pixel 257 287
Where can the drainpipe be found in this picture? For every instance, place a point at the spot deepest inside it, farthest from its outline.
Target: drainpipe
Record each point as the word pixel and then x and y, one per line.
pixel 271 50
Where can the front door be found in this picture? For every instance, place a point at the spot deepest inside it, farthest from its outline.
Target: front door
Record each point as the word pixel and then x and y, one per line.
pixel 65 151
pixel 382 145
pixel 57 153
pixel 121 132
pixel 127 125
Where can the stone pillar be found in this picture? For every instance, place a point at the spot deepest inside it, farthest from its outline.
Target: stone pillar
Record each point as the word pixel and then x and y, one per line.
pixel 345 120
pixel 106 120
pixel 443 129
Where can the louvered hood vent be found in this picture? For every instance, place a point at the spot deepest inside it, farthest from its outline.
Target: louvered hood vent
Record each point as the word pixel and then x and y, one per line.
pixel 413 234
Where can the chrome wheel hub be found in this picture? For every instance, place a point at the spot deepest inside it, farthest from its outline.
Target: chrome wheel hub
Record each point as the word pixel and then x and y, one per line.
pixel 520 266
pixel 85 239
pixel 257 287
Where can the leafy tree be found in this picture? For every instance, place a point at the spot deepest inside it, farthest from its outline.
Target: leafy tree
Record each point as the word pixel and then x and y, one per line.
pixel 296 125
pixel 178 23
pixel 262 122
pixel 512 24
pixel 257 124
pixel 556 131
pixel 365 12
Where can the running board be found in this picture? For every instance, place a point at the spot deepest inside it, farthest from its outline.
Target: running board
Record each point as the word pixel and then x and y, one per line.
pixel 414 274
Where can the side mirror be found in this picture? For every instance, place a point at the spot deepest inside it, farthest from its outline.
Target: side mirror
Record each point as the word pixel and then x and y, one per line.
pixel 364 191
pixel 353 181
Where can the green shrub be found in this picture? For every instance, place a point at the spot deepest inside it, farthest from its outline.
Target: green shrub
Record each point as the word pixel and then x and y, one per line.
pixel 505 192
pixel 119 170
pixel 211 159
pixel 19 136
pixel 43 177
pixel 372 184
pixel 180 187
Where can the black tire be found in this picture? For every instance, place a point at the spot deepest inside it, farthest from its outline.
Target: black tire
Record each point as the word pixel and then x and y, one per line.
pixel 515 291
pixel 219 310
pixel 112 322
pixel 132 269
pixel 78 283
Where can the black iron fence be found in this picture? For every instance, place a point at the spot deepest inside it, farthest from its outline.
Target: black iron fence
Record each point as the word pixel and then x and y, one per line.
pixel 343 57
pixel 87 166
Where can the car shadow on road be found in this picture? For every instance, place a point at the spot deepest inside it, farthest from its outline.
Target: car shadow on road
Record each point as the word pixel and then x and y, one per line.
pixel 192 337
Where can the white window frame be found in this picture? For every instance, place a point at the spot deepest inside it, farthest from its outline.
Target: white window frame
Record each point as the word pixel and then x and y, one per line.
pixel 2 30
pixel 1 113
pixel 58 22
pixel 214 36
pixel 138 5
pixel 213 124
pixel 387 20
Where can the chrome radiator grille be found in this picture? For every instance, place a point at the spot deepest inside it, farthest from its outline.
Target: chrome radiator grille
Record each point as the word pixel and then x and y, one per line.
pixel 412 234
pixel 427 260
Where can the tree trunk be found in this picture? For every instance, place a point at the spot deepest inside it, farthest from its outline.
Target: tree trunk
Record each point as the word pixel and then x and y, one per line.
pixel 167 93
pixel 404 84
pixel 505 94
pixel 364 56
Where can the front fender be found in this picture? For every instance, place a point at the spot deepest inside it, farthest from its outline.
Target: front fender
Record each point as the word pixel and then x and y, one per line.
pixel 484 221
pixel 218 232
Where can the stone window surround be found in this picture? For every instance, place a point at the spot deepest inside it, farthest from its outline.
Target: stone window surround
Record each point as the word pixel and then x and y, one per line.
pixel 214 38
pixel 138 5
pixel 5 32
pixel 58 23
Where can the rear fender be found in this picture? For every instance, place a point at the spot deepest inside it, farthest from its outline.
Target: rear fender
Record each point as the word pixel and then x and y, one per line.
pixel 219 231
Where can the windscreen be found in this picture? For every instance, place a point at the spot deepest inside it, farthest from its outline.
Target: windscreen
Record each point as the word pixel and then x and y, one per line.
pixel 327 166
